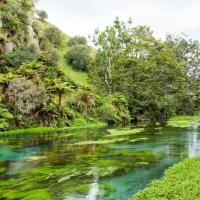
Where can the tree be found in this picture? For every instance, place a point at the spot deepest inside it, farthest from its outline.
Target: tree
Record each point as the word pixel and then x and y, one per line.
pixel 25 95
pixel 187 53
pixel 59 88
pixel 132 62
pixel 77 40
pixel 85 99
pixel 78 57
pixel 110 44
pixel 42 14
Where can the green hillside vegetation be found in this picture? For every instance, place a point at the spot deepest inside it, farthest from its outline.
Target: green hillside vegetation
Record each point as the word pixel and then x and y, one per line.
pixel 49 79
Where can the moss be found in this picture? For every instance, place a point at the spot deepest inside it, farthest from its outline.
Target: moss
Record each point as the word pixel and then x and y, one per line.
pixel 16 148
pixel 141 163
pixel 3 169
pixel 174 153
pixel 35 194
pixel 82 189
pixel 105 189
pixel 100 141
pixel 138 140
pixel 46 170
pixel 181 124
pixel 177 143
pixel 124 132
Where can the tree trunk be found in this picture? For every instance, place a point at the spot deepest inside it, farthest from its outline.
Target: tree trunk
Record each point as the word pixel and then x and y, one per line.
pixel 59 104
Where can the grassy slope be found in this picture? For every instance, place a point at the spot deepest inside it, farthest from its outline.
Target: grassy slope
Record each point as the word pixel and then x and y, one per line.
pixel 78 77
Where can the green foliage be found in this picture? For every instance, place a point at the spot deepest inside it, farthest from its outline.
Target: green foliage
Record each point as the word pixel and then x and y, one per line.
pixel 16 19
pixel 78 57
pixel 54 36
pixel 20 56
pixel 113 109
pixel 11 22
pixel 144 71
pixel 107 113
pixel 25 95
pixel 49 57
pixel 185 118
pixel 5 118
pixel 85 99
pixel 2 169
pixel 187 53
pixel 42 14
pixel 77 40
pixel 180 182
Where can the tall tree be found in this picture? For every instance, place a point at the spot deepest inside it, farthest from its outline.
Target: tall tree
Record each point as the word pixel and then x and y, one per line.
pixel 110 44
pixel 131 61
pixel 187 53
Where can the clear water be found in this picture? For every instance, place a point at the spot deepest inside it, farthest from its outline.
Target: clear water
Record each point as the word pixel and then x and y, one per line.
pixel 23 153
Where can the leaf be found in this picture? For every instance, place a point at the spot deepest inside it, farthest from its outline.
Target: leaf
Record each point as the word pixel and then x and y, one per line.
pixel 5 114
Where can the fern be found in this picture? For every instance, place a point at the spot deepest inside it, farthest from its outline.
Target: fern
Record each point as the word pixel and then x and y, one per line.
pixel 5 114
pixel 3 124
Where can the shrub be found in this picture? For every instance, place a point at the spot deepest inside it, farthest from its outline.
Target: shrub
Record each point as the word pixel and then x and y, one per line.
pixel 107 113
pixel 78 57
pixel 20 56
pixel 181 181
pixel 25 95
pixel 49 57
pixel 54 36
pixel 77 40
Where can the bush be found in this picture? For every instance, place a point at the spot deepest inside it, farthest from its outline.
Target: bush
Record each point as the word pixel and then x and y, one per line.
pixel 78 57
pixel 181 181
pixel 107 113
pixel 77 40
pixel 20 56
pixel 42 14
pixel 54 36
pixel 49 57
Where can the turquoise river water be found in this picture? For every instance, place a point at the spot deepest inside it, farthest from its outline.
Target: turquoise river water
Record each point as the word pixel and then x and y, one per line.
pixel 91 164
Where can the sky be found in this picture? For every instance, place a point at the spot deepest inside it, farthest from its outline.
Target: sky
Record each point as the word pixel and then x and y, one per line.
pixel 82 17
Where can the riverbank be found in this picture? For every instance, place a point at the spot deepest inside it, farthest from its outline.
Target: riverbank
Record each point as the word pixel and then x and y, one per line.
pixel 52 129
pixel 185 118
pixel 181 181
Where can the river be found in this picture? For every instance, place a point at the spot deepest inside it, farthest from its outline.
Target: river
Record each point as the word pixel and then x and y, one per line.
pixel 91 164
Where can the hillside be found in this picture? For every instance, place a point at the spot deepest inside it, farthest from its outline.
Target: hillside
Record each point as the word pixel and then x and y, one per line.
pixel 50 79
pixel 38 87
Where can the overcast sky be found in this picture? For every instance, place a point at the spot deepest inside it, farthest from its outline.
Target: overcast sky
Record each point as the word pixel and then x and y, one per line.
pixel 82 17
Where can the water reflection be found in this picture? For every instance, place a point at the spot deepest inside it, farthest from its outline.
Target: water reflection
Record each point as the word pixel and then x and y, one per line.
pixel 194 141
pixel 74 171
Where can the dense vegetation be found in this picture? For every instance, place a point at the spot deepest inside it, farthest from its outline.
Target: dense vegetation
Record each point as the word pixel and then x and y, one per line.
pixel 132 75
pixel 180 182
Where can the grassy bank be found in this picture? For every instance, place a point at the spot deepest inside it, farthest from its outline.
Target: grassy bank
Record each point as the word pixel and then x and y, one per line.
pixel 183 121
pixel 51 129
pixel 179 182
pixel 185 118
